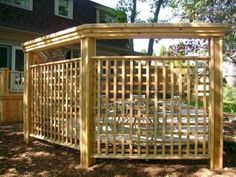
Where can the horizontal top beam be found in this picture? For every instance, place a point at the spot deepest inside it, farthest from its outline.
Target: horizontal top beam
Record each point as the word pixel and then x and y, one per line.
pixel 125 31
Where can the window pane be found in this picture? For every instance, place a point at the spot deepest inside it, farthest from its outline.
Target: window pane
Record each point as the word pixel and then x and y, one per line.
pixel 106 17
pixel 63 7
pixel 7 1
pixel 64 3
pixel 21 2
pixel 19 62
pixel 71 54
pixel 68 54
pixel 5 56
pixel 75 54
pixel 25 4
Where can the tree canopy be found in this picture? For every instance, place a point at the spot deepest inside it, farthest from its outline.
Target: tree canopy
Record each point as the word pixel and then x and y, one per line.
pixel 209 11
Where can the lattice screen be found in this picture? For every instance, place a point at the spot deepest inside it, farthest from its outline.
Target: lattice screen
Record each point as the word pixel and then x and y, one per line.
pixel 55 102
pixel 151 108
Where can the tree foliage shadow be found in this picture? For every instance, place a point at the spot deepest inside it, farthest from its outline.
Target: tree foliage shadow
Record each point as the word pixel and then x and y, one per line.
pixel 45 159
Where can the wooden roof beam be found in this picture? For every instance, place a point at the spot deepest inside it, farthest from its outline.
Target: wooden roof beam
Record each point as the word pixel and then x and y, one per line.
pixel 125 31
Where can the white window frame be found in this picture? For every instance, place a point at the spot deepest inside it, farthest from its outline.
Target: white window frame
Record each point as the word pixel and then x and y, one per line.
pixel 98 15
pixel 28 7
pixel 70 9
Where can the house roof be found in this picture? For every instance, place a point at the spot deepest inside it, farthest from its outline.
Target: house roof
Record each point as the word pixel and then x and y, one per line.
pixel 125 31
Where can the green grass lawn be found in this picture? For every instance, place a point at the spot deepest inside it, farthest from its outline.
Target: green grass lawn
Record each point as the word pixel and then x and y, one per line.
pixel 229 107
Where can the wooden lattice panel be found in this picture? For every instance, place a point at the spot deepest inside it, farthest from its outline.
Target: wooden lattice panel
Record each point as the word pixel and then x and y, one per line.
pixel 55 102
pixel 151 108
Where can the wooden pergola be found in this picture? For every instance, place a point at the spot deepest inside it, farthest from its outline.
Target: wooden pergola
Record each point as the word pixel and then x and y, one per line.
pixel 36 118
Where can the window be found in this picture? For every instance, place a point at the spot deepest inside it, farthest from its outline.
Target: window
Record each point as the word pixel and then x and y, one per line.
pixel 18 60
pixel 64 8
pixel 69 54
pixel 11 57
pixel 25 4
pixel 104 16
pixel 5 56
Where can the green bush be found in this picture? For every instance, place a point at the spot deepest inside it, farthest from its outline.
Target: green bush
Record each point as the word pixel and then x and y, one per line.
pixel 229 99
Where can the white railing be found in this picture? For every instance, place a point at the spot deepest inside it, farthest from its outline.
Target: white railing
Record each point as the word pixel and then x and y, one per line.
pixel 16 81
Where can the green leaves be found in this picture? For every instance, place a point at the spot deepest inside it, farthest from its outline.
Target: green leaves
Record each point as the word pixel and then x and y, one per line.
pixel 217 11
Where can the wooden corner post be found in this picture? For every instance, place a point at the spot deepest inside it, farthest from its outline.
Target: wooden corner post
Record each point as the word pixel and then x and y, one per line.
pixel 216 103
pixel 88 49
pixel 27 97
pixel 4 81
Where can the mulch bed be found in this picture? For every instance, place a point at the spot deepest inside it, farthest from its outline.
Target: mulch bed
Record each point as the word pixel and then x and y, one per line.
pixel 44 159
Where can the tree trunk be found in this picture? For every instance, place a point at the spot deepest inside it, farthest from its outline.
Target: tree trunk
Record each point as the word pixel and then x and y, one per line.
pixel 131 44
pixel 133 12
pixel 155 20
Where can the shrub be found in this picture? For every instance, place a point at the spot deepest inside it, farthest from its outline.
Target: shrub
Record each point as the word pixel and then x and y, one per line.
pixel 229 99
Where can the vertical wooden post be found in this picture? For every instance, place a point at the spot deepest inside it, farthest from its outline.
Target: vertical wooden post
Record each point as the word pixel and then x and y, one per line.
pixel 88 49
pixel 216 103
pixel 27 97
pixel 4 81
